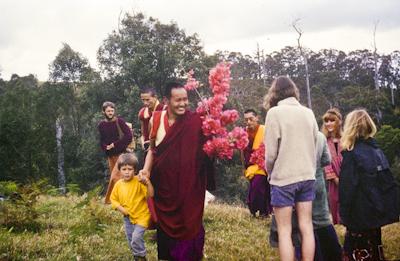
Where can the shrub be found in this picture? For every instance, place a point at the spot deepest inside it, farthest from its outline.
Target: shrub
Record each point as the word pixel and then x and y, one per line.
pixel 96 217
pixel 18 209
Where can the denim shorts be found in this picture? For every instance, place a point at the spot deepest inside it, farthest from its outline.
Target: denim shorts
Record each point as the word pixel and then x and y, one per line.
pixel 288 195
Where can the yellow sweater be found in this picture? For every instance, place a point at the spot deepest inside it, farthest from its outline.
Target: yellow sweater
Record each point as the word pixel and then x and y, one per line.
pixel 132 196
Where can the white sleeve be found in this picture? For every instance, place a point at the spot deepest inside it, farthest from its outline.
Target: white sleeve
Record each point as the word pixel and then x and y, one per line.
pixel 272 137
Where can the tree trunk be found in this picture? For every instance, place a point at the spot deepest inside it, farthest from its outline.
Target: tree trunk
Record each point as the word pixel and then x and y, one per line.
pixel 392 93
pixel 307 82
pixel 376 75
pixel 304 56
pixel 60 157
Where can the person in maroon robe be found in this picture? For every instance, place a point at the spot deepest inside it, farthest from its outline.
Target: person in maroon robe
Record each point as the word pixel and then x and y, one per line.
pixel 115 137
pixel 180 172
pixel 150 105
pixel 332 128
pixel 258 198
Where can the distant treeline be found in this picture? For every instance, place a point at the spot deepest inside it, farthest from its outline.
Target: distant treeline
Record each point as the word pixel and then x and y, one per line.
pixel 144 53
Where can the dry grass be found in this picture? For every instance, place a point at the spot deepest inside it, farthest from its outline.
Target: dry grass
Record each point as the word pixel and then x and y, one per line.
pixel 95 232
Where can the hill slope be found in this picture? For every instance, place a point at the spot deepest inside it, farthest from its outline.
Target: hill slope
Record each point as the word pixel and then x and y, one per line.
pixel 75 228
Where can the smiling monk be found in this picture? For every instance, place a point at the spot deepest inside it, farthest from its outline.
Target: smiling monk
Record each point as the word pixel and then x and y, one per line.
pixel 180 172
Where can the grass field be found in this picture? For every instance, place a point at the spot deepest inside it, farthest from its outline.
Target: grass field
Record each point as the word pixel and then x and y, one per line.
pixel 72 229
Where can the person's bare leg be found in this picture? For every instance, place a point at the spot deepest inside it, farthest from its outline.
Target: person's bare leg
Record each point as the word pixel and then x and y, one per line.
pixel 304 215
pixel 283 218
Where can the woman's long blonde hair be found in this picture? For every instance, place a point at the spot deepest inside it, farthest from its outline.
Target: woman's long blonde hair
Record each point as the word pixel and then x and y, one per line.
pixel 335 115
pixel 282 87
pixel 358 125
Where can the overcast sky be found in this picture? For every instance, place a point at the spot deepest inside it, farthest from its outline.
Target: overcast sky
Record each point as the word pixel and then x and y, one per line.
pixel 32 31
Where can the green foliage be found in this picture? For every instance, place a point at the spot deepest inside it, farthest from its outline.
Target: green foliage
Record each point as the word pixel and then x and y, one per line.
pixel 231 185
pixel 73 189
pixel 228 227
pixel 146 52
pixel 7 188
pixel 95 218
pixel 70 66
pixel 389 140
pixel 18 209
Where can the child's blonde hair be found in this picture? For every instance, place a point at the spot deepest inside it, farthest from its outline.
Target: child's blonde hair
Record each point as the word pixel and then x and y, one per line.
pixel 332 114
pixel 358 125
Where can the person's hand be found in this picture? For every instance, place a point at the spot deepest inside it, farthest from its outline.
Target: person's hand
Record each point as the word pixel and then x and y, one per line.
pixel 123 211
pixel 144 173
pixel 110 146
pixel 143 179
pixel 336 181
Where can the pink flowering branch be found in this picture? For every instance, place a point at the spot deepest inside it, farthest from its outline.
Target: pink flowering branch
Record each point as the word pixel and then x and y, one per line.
pixel 215 119
pixel 258 156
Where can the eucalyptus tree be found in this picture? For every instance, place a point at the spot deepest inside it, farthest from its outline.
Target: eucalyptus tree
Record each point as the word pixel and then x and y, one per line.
pixel 69 70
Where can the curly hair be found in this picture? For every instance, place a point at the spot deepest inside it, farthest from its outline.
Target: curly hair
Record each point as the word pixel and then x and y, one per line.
pixel 282 87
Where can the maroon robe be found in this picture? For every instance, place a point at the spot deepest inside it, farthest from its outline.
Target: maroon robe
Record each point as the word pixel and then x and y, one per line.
pixel 180 173
pixel 258 196
pixel 332 171
pixel 145 121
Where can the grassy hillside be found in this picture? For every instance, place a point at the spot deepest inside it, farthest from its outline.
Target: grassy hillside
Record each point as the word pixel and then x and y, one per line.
pixel 75 228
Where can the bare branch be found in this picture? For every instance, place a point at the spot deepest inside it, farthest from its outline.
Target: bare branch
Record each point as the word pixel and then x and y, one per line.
pixel 304 56
pixel 376 80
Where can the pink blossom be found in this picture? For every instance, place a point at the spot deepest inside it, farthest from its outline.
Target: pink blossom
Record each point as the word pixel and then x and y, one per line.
pixel 228 117
pixel 218 147
pixel 219 78
pixel 239 138
pixel 258 156
pixel 213 105
pixel 191 83
pixel 211 126
pixel 216 104
pixel 203 106
pixel 214 118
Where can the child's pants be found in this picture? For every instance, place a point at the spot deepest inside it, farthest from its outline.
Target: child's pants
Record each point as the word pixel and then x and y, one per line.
pixel 134 234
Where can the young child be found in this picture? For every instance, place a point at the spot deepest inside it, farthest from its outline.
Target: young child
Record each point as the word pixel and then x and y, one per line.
pixel 368 194
pixel 129 197
pixel 291 136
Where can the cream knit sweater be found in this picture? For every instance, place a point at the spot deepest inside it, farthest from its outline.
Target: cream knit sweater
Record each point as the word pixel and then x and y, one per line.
pixel 290 140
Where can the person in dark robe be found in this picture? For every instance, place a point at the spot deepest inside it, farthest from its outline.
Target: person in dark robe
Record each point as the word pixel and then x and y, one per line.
pixel 115 136
pixel 150 105
pixel 258 198
pixel 180 172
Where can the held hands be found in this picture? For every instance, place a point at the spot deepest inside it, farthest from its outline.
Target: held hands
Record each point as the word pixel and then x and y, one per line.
pixel 143 176
pixel 144 173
